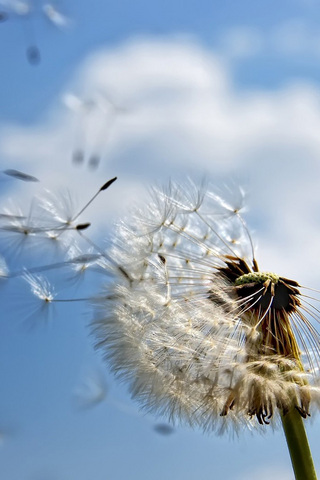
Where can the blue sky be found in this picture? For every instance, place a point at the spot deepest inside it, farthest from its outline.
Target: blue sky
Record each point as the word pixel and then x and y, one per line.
pixel 103 23
pixel 225 90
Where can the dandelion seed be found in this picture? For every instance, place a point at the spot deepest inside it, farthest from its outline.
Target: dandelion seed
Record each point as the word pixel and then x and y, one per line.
pixel 20 175
pixel 94 121
pixel 54 16
pixel 33 55
pixel 31 230
pixel 196 329
pixel 91 391
pixel 101 189
pixel 59 212
pixel 50 225
pixel 40 287
pixel 17 228
pixel 25 10
pixel 43 296
pixel 81 262
pixel 4 271
pixel 163 429
pixel 18 6
pixel 3 16
pixel 57 209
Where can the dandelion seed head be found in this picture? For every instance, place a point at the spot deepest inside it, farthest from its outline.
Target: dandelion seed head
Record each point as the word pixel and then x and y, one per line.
pixel 189 321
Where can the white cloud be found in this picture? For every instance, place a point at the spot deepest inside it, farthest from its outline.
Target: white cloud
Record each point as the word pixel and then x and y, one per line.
pixel 242 42
pixel 294 39
pixel 181 114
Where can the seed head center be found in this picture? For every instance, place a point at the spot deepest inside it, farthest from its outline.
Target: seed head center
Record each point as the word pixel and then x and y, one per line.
pixel 257 277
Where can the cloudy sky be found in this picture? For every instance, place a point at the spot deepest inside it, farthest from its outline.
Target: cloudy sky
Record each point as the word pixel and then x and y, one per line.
pixel 146 91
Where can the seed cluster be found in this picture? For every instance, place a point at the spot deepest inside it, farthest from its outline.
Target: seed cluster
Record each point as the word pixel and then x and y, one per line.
pixel 189 321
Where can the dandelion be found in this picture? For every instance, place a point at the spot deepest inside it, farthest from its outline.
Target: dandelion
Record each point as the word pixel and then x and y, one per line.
pixel 198 331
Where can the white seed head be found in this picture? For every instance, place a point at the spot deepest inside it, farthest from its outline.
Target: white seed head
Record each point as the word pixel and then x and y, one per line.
pixel 188 338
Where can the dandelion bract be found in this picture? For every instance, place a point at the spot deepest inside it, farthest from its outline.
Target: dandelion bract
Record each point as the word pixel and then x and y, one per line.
pixel 191 323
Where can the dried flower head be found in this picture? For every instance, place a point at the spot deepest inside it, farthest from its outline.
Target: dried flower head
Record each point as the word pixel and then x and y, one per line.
pixel 189 320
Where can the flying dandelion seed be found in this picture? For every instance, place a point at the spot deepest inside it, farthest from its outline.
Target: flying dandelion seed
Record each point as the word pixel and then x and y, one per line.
pixel 95 118
pixel 26 10
pixel 49 221
pixel 196 329
pixel 4 271
pixel 54 16
pixel 32 228
pixel 20 175
pixel 39 304
pixel 163 429
pixel 81 262
pixel 92 390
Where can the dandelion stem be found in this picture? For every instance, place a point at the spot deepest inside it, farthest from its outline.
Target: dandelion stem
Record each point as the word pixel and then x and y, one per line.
pixel 298 446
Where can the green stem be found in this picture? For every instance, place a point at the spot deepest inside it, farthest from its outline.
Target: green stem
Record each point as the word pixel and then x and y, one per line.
pixel 298 446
